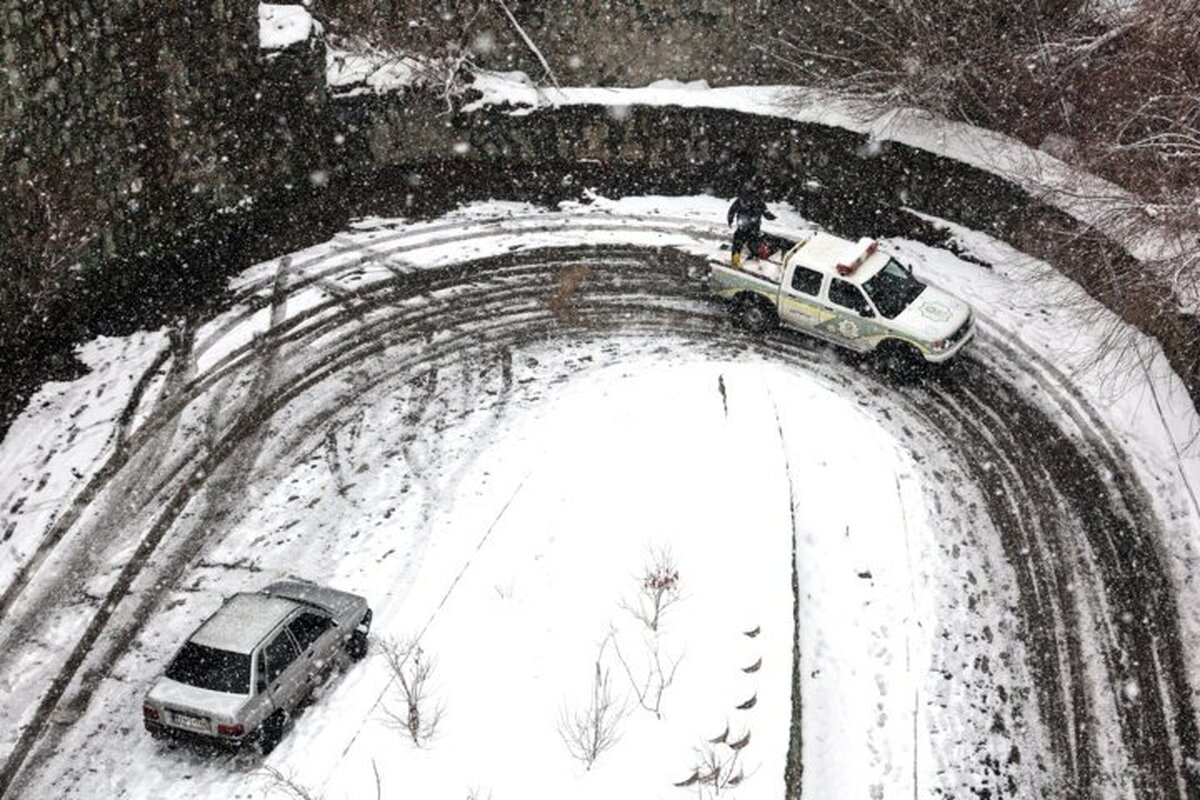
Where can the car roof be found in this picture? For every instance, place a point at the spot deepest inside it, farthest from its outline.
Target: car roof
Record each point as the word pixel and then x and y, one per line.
pixel 824 251
pixel 243 622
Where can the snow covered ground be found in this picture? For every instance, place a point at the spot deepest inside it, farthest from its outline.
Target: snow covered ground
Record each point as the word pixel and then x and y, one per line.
pixel 404 413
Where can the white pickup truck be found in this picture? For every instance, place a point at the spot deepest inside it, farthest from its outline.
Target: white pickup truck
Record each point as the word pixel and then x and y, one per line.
pixel 850 293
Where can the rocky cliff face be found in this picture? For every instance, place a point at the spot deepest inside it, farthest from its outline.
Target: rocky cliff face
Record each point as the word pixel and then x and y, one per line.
pixel 110 104
pixel 127 129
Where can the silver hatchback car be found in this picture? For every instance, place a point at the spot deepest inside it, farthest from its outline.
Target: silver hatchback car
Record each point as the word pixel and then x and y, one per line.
pixel 239 678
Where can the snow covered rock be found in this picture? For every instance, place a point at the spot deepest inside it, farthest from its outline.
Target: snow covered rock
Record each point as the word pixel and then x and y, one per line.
pixel 281 26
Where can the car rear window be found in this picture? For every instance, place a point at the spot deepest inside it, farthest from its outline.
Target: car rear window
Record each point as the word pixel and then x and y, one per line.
pixel 210 668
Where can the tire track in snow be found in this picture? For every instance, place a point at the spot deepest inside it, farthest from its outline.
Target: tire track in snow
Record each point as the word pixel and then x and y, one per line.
pixel 645 300
pixel 363 344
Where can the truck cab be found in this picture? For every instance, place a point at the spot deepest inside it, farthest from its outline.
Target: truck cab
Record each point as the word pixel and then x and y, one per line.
pixel 852 294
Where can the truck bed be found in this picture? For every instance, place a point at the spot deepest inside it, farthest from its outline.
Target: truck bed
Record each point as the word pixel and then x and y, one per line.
pixel 768 271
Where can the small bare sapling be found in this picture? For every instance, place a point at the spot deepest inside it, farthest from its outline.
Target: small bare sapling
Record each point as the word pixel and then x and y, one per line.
pixel 589 731
pixel 658 589
pixel 412 669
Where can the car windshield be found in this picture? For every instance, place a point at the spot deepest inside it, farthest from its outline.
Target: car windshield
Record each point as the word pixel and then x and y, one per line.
pixel 893 289
pixel 209 668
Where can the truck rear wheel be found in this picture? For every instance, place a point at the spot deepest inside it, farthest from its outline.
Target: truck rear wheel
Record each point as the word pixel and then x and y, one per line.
pixel 754 313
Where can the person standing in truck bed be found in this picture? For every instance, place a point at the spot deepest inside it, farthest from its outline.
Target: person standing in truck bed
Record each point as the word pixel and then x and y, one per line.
pixel 747 211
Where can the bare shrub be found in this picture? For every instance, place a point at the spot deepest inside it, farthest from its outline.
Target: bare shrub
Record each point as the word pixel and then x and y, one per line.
pixel 1139 99
pixel 658 589
pixel 1119 93
pixel 961 58
pixel 289 787
pixel 592 729
pixel 718 769
pixel 411 670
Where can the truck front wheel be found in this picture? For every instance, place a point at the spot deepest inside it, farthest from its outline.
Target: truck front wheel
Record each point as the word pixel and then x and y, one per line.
pixel 754 314
pixel 899 359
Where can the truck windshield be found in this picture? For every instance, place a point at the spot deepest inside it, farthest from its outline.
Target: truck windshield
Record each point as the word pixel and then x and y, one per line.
pixel 893 289
pixel 212 669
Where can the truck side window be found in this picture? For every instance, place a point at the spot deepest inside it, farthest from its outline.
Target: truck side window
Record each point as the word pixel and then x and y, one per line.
pixel 806 281
pixel 308 627
pixel 847 295
pixel 280 653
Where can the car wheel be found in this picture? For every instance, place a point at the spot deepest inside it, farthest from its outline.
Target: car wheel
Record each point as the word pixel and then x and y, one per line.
pixel 357 646
pixel 270 732
pixel 753 314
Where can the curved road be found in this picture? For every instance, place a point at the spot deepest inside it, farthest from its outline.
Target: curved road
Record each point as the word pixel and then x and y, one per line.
pixel 1074 524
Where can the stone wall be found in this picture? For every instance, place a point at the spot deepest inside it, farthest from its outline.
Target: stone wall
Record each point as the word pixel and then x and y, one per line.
pixel 112 103
pixel 130 132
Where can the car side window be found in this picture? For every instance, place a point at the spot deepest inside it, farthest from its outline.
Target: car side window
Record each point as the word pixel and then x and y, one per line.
pixel 308 627
pixel 260 681
pixel 806 281
pixel 280 653
pixel 847 295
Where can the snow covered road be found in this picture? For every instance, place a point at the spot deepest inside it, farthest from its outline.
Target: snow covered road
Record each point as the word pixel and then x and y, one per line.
pixel 483 422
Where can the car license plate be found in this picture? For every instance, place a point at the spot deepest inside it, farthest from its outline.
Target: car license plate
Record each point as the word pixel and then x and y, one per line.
pixel 190 722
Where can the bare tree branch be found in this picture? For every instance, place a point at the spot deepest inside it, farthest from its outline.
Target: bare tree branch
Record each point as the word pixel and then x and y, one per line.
pixel 529 43
pixel 658 678
pixel 288 786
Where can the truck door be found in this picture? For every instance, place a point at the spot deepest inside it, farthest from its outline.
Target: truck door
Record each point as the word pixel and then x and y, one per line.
pixel 799 299
pixel 853 320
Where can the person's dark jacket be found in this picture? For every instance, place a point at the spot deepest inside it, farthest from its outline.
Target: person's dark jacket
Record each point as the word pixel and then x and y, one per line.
pixel 749 211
